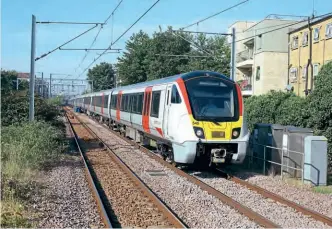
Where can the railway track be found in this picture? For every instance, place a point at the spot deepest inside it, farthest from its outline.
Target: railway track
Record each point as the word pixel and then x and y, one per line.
pixel 315 215
pixel 259 219
pixel 127 200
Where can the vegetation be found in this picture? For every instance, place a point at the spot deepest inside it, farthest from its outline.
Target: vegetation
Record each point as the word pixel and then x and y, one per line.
pixel 285 108
pixel 102 75
pixel 25 147
pixel 148 58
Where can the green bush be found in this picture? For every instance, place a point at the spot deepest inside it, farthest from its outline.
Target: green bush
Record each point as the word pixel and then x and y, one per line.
pixel 320 106
pixel 285 108
pixel 261 109
pixel 293 111
pixel 28 146
pixel 15 109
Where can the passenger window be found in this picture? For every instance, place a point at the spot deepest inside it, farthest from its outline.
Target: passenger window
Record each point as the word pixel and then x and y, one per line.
pixel 155 104
pixel 175 95
pixel 140 103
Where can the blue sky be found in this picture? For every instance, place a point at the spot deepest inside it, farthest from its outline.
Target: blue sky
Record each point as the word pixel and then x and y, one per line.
pixel 16 25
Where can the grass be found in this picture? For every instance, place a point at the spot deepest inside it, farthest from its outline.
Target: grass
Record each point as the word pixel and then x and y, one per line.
pixel 25 148
pixel 325 189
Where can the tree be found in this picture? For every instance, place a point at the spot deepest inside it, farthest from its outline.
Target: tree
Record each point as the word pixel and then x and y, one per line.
pixel 103 76
pixel 132 66
pixel 163 44
pixel 320 104
pixel 220 51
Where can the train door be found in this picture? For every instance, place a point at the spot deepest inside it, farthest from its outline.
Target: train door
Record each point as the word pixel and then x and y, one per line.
pixel 157 110
pixel 166 110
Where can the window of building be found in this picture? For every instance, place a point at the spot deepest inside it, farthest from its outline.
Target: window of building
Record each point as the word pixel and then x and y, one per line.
pixel 293 75
pixel 258 73
pixel 259 41
pixel 328 32
pixel 316 34
pixel 305 38
pixel 155 104
pixel 316 69
pixel 175 95
pixel 304 71
pixel 295 42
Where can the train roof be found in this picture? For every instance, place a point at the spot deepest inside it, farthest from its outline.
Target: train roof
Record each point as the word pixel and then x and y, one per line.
pixel 170 79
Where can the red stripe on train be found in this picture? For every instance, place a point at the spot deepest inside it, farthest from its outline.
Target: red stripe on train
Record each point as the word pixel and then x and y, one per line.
pixel 239 95
pixel 184 94
pixel 160 131
pixel 118 105
pixel 146 109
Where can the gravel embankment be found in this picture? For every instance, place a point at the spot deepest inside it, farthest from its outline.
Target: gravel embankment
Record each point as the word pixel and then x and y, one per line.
pixel 321 203
pixel 65 199
pixel 194 206
pixel 282 215
pixel 130 206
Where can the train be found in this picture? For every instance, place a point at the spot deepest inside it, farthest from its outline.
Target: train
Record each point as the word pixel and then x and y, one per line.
pixel 193 118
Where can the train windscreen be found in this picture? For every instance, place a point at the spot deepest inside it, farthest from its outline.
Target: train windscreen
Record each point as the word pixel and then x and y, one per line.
pixel 213 99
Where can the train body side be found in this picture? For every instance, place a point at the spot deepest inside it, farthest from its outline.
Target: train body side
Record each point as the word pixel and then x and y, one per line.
pixel 164 110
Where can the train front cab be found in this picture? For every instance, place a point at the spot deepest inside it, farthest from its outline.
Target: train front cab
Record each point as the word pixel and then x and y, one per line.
pixel 214 109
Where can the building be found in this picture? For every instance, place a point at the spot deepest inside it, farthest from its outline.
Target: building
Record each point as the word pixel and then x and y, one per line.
pixel 262 54
pixel 300 74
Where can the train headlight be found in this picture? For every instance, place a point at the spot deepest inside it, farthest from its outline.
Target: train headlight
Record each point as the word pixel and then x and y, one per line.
pixel 199 132
pixel 236 133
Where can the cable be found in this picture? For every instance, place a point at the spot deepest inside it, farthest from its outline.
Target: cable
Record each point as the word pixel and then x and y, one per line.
pixel 215 14
pixel 46 54
pixel 95 59
pixel 282 27
pixel 95 39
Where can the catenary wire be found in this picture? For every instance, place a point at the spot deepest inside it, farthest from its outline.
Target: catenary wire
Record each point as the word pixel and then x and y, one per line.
pixel 95 59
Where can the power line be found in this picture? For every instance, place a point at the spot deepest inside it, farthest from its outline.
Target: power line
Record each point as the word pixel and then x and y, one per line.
pixel 95 38
pixel 134 23
pixel 189 56
pixel 119 37
pixel 46 54
pixel 85 49
pixel 186 31
pixel 68 22
pixel 192 43
pixel 204 19
pixel 281 27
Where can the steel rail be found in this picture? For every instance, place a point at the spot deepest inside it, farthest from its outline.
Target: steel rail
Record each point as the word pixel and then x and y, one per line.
pixel 93 188
pixel 259 219
pixel 315 215
pixel 171 216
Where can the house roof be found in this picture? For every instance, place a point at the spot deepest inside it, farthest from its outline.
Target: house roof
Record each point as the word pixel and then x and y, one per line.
pixel 312 23
pixel 23 75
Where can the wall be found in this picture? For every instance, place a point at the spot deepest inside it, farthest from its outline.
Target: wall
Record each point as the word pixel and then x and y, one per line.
pixel 321 53
pixel 273 68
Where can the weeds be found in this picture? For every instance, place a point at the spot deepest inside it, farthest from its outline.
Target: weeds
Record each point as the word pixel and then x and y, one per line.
pixel 25 148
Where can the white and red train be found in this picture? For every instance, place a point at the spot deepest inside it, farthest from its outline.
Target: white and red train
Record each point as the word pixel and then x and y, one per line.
pixel 193 117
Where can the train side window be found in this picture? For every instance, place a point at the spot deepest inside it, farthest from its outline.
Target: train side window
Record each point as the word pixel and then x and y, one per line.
pixel 134 103
pixel 122 102
pixel 175 98
pixel 105 101
pixel 155 104
pixel 140 103
pixel 167 99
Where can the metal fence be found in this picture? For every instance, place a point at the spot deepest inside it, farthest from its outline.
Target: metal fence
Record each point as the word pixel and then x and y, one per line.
pixel 285 159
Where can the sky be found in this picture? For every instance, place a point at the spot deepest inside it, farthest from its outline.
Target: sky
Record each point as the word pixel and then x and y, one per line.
pixel 16 26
